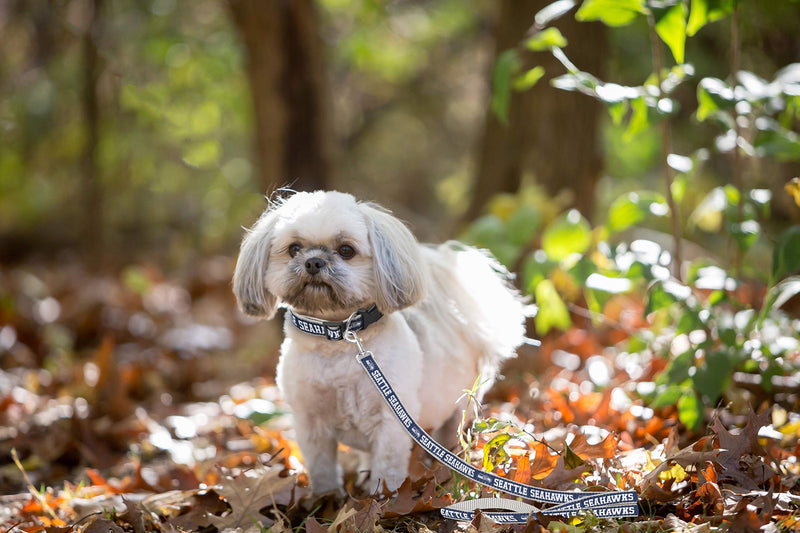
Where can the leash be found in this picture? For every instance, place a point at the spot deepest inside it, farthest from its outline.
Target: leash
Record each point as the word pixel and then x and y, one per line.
pixel 613 504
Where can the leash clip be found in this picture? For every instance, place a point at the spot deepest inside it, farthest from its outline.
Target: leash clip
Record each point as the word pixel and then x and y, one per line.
pixel 352 337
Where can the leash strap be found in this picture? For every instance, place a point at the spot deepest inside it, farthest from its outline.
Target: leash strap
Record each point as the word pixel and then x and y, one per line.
pixel 607 505
pixel 335 330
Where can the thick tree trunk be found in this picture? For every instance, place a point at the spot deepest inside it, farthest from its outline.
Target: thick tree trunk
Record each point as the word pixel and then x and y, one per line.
pixel 293 143
pixel 551 134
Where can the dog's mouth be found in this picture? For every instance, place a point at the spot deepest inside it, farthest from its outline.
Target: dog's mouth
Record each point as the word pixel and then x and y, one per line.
pixel 318 286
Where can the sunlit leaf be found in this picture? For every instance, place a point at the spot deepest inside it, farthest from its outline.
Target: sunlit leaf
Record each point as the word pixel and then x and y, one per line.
pixel 690 411
pixel 611 12
pixel 523 473
pixel 494 452
pixel 568 234
pixel 553 312
pixel 639 120
pixel 671 27
pixel 792 188
pixel 525 81
pixel 676 472
pixel 707 11
pixel 545 40
pixel 633 208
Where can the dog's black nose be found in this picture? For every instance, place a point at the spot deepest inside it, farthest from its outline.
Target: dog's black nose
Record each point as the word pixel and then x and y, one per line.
pixel 314 265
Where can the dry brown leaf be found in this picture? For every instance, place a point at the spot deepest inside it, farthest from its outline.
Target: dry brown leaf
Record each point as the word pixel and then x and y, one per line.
pixel 741 455
pixel 247 494
pixel 604 449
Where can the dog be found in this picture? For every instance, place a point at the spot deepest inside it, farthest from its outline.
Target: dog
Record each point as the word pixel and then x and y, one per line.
pixel 435 317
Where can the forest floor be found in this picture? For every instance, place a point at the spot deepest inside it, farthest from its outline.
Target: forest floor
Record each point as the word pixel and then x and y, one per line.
pixel 142 402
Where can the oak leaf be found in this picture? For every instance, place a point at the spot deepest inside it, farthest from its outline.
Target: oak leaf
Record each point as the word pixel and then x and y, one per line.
pixel 247 494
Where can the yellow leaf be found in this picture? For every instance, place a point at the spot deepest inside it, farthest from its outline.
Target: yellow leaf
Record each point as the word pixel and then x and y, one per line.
pixel 494 452
pixel 676 472
pixel 792 188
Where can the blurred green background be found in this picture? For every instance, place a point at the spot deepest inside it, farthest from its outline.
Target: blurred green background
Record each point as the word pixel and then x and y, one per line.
pixel 152 129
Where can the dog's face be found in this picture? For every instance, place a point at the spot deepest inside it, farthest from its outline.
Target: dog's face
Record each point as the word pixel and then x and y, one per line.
pixel 326 255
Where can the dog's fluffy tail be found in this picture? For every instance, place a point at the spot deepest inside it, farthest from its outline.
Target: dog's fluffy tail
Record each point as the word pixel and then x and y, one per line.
pixel 477 300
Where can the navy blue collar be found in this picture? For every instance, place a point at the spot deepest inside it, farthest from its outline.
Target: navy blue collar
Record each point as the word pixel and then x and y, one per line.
pixel 335 330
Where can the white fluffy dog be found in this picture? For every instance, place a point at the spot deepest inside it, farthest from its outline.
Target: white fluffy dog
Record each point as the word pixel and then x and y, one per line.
pixel 448 316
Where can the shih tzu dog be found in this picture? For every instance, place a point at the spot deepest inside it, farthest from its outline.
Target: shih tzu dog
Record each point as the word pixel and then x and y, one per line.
pixel 435 318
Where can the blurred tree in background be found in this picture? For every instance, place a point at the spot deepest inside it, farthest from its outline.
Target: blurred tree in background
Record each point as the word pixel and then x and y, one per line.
pixel 153 128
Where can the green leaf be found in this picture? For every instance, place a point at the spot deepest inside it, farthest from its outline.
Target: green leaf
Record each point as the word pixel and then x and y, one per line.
pixel 706 11
pixel 485 230
pixel 671 27
pixel 634 208
pixel 662 294
pixel 546 39
pixel 669 396
pixel 617 110
pixel 786 254
pixel 639 121
pixel 525 81
pixel 690 411
pixel 522 224
pixel 507 65
pixel 678 369
pixel 202 154
pixel 552 311
pixel 568 234
pixel 745 233
pixel 611 12
pixel 712 377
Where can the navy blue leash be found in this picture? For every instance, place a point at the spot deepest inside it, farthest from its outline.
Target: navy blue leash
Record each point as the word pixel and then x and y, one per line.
pixel 607 505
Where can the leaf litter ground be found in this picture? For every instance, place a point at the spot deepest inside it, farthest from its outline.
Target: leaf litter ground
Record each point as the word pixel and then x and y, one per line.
pixel 127 403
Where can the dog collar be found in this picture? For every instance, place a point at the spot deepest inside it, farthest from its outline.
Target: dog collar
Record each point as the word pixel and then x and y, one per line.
pixel 335 330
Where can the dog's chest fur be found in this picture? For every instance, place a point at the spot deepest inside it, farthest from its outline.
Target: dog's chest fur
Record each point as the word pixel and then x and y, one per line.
pixel 335 391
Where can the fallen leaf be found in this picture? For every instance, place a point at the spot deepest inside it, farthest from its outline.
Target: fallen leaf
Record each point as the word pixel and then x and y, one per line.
pixel 741 455
pixel 247 494
pixel 604 449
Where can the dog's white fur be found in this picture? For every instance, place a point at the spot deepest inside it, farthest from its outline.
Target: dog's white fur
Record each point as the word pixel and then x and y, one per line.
pixel 449 316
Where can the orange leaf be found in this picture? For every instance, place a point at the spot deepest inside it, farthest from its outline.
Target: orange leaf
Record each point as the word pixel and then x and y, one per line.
pixel 523 474
pixel 543 461
pixel 604 449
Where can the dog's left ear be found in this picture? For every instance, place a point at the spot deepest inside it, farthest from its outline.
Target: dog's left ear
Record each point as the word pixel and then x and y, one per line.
pixel 396 260
pixel 249 278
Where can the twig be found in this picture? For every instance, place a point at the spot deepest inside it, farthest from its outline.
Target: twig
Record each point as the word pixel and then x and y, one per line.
pixel 666 149
pixel 737 163
pixel 35 493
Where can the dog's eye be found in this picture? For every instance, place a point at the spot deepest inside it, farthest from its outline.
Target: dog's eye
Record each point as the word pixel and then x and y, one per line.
pixel 294 249
pixel 346 251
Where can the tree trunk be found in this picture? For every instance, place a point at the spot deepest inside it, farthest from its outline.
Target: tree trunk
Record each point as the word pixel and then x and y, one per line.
pixel 92 236
pixel 285 66
pixel 551 134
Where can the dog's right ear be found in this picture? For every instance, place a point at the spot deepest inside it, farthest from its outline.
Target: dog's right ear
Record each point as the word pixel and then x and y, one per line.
pixel 249 278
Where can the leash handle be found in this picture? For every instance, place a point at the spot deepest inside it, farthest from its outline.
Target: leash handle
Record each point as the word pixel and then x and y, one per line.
pixel 608 504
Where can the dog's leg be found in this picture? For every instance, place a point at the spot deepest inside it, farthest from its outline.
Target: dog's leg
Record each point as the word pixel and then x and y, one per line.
pixel 390 454
pixel 319 446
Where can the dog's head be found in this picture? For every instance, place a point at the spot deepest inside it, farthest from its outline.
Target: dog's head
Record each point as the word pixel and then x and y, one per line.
pixel 325 254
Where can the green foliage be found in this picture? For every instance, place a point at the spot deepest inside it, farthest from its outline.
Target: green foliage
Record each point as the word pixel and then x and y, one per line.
pixel 671 27
pixel 699 325
pixel 611 12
